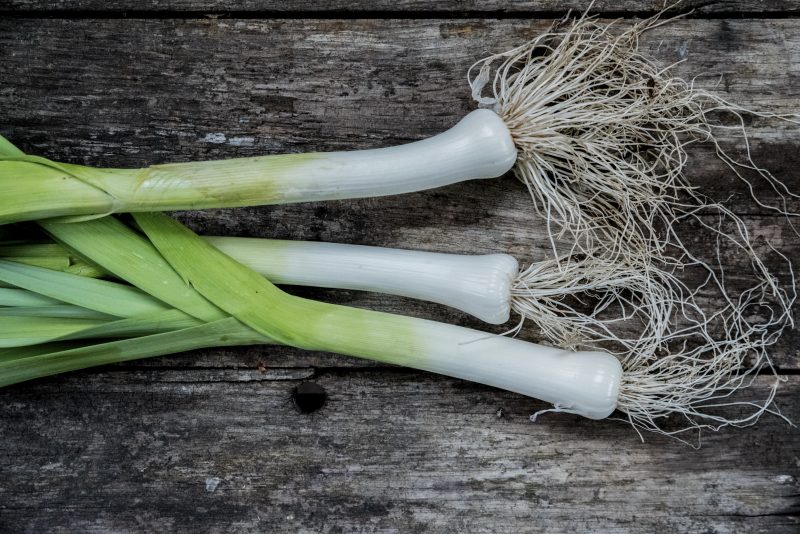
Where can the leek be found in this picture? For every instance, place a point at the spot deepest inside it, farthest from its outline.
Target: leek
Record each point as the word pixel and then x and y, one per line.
pixel 249 309
pixel 654 351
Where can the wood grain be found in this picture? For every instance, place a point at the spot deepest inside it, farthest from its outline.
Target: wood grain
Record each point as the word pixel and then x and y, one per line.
pixel 209 441
pixel 214 451
pixel 420 7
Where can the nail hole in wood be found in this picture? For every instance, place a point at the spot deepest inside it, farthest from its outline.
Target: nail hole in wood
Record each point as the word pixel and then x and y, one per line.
pixel 309 397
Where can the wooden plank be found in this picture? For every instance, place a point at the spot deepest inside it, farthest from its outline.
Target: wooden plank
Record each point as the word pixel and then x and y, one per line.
pixel 135 92
pixel 422 7
pixel 188 451
pixel 209 441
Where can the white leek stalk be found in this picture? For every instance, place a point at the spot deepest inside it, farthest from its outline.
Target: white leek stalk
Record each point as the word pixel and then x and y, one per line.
pixel 567 299
pixel 593 127
pixel 646 321
pixel 477 284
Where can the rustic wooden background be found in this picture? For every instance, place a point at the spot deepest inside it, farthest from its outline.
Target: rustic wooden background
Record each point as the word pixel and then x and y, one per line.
pixel 210 441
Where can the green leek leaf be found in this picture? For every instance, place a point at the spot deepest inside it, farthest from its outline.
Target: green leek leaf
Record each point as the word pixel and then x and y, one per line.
pixel 226 332
pixel 22 331
pixel 99 295
pixel 127 255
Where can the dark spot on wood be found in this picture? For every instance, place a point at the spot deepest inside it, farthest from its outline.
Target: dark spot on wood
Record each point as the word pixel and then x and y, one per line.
pixel 309 397
pixel 275 103
pixel 462 30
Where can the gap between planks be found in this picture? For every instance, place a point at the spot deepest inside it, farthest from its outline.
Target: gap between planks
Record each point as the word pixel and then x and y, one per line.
pixel 383 14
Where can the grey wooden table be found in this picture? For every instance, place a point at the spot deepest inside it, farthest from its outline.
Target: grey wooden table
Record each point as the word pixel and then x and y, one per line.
pixel 210 441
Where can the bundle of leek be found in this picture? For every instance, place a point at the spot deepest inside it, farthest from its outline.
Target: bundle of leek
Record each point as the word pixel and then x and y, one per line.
pixel 594 128
pixel 597 132
pixel 42 308
pixel 182 293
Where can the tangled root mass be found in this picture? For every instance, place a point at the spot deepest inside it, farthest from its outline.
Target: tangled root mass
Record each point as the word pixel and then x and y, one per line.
pixel 602 134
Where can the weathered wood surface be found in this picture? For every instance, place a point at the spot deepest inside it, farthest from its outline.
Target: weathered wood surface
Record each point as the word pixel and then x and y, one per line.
pixel 419 7
pixel 208 442
pixel 207 451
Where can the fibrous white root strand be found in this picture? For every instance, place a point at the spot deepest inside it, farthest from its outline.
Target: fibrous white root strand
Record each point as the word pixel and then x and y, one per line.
pixel 602 134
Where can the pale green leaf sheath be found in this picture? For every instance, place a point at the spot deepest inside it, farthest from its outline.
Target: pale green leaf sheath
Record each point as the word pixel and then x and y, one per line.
pixel 37 188
pixel 119 250
pixel 18 353
pixel 7 150
pixel 11 296
pixel 37 328
pixel 61 306
pixel 23 331
pixel 50 287
pixel 33 250
pixel 50 337
pixel 58 310
pixel 35 365
pixel 480 146
pixel 51 256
